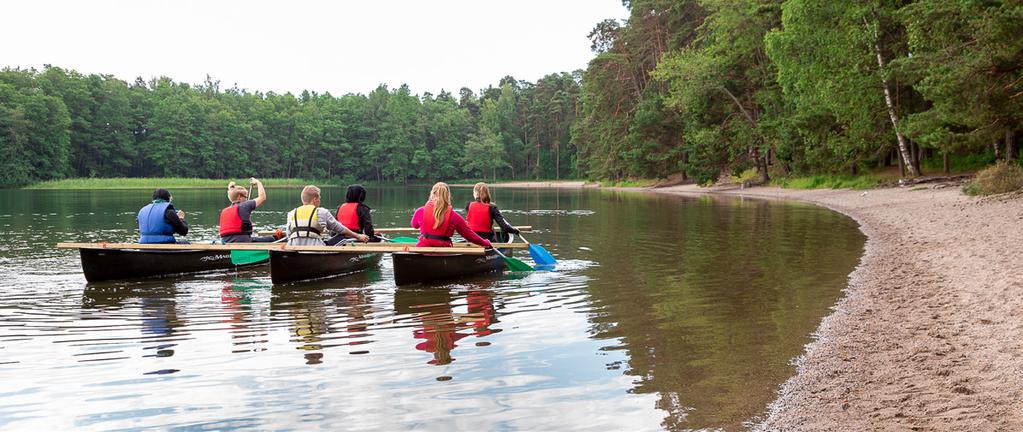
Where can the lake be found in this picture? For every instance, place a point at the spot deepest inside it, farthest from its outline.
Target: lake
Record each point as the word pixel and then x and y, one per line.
pixel 664 313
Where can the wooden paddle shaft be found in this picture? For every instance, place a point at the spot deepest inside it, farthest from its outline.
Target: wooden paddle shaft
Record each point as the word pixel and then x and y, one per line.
pixel 376 248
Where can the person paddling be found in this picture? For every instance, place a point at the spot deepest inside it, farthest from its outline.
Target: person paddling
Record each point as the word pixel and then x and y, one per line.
pixel 437 221
pixel 158 221
pixel 354 214
pixel 236 219
pixel 481 214
pixel 309 223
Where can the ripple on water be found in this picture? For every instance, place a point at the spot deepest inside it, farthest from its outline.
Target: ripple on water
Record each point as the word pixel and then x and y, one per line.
pixel 640 326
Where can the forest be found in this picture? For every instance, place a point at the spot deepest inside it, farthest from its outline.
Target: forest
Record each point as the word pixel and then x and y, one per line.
pixel 697 89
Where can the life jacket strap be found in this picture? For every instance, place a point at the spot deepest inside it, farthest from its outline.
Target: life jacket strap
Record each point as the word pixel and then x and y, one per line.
pixel 436 237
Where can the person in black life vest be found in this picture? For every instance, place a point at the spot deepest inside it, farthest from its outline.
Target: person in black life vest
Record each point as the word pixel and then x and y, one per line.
pixel 236 219
pixel 355 215
pixel 481 214
pixel 159 221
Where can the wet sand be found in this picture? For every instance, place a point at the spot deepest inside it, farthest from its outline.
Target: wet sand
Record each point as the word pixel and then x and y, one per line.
pixel 929 335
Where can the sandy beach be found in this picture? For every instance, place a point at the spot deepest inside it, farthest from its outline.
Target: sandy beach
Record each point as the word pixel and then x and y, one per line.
pixel 929 335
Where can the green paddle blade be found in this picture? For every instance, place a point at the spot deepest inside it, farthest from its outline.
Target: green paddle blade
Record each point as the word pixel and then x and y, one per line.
pixel 405 240
pixel 243 257
pixel 516 265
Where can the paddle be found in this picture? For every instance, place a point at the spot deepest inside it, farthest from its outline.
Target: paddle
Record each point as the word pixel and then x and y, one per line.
pixel 244 257
pixel 404 240
pixel 514 264
pixel 539 254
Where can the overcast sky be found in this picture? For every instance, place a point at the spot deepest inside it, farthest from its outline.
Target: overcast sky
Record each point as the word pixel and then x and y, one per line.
pixel 336 46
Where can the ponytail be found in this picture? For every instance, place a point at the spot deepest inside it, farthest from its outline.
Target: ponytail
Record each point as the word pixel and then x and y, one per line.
pixel 441 202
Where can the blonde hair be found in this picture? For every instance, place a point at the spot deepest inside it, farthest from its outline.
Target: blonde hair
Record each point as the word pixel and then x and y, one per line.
pixel 309 193
pixel 483 191
pixel 234 191
pixel 441 196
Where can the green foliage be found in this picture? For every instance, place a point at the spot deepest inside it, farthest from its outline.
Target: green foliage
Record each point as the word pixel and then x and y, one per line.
pixel 166 182
pixel 960 163
pixel 57 123
pixel 999 178
pixel 830 182
pixel 966 61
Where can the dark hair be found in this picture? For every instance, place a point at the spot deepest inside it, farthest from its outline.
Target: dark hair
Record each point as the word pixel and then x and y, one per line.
pixel 161 193
pixel 355 194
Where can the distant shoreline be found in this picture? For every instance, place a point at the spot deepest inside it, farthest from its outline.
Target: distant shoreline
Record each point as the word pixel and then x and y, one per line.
pixel 164 182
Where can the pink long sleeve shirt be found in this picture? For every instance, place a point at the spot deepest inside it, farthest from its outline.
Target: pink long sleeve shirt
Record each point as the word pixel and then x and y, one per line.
pixel 455 223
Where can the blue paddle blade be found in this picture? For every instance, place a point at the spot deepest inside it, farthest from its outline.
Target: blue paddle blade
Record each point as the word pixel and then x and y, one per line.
pixel 541 256
pixel 404 240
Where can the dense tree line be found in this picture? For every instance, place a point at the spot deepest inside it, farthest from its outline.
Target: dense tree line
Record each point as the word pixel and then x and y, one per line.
pixel 715 86
pixel 701 87
pixel 58 123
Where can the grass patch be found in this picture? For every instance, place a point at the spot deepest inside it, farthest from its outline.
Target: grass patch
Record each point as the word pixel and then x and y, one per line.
pixel 627 183
pixel 999 178
pixel 749 174
pixel 168 182
pixel 865 181
pixel 959 163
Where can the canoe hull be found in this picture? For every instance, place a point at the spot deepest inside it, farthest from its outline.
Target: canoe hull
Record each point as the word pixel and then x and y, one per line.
pixel 294 266
pixel 114 264
pixel 410 268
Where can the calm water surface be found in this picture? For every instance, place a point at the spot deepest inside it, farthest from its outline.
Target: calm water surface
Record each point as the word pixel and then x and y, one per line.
pixel 664 313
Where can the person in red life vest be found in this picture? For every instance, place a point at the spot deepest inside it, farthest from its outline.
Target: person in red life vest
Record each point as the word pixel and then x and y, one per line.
pixel 236 219
pixel 309 224
pixel 355 215
pixel 481 214
pixel 437 221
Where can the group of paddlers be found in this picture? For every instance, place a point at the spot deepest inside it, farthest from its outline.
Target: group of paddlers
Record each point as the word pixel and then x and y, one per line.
pixel 312 225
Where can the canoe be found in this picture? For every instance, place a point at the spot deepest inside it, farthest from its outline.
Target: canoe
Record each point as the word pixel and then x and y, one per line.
pixel 112 264
pixel 410 268
pixel 292 266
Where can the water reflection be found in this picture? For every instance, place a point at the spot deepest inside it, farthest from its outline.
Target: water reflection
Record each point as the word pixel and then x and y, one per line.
pixel 328 313
pixel 437 326
pixel 663 313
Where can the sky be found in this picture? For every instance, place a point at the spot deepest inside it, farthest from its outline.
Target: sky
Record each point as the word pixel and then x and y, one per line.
pixel 324 46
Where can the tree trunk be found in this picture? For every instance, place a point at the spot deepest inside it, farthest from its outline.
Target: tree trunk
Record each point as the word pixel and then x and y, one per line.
pixel 944 162
pixel 903 152
pixel 1010 149
pixel 902 167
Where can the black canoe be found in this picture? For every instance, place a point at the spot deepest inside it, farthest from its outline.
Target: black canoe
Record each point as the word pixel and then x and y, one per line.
pixel 292 266
pixel 112 264
pixel 410 268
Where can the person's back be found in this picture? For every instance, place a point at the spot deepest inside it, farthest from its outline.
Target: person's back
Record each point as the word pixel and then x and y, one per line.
pixel 304 228
pixel 481 214
pixel 236 219
pixel 158 221
pixel 355 214
pixel 308 224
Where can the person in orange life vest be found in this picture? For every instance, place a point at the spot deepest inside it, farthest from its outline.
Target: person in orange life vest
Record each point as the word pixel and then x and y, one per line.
pixel 437 222
pixel 481 214
pixel 355 215
pixel 236 219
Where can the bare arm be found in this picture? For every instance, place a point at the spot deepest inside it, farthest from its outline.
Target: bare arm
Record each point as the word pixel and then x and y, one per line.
pixel 262 191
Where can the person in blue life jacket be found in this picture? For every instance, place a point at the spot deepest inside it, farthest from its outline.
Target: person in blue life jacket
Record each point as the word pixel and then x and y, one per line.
pixel 159 221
